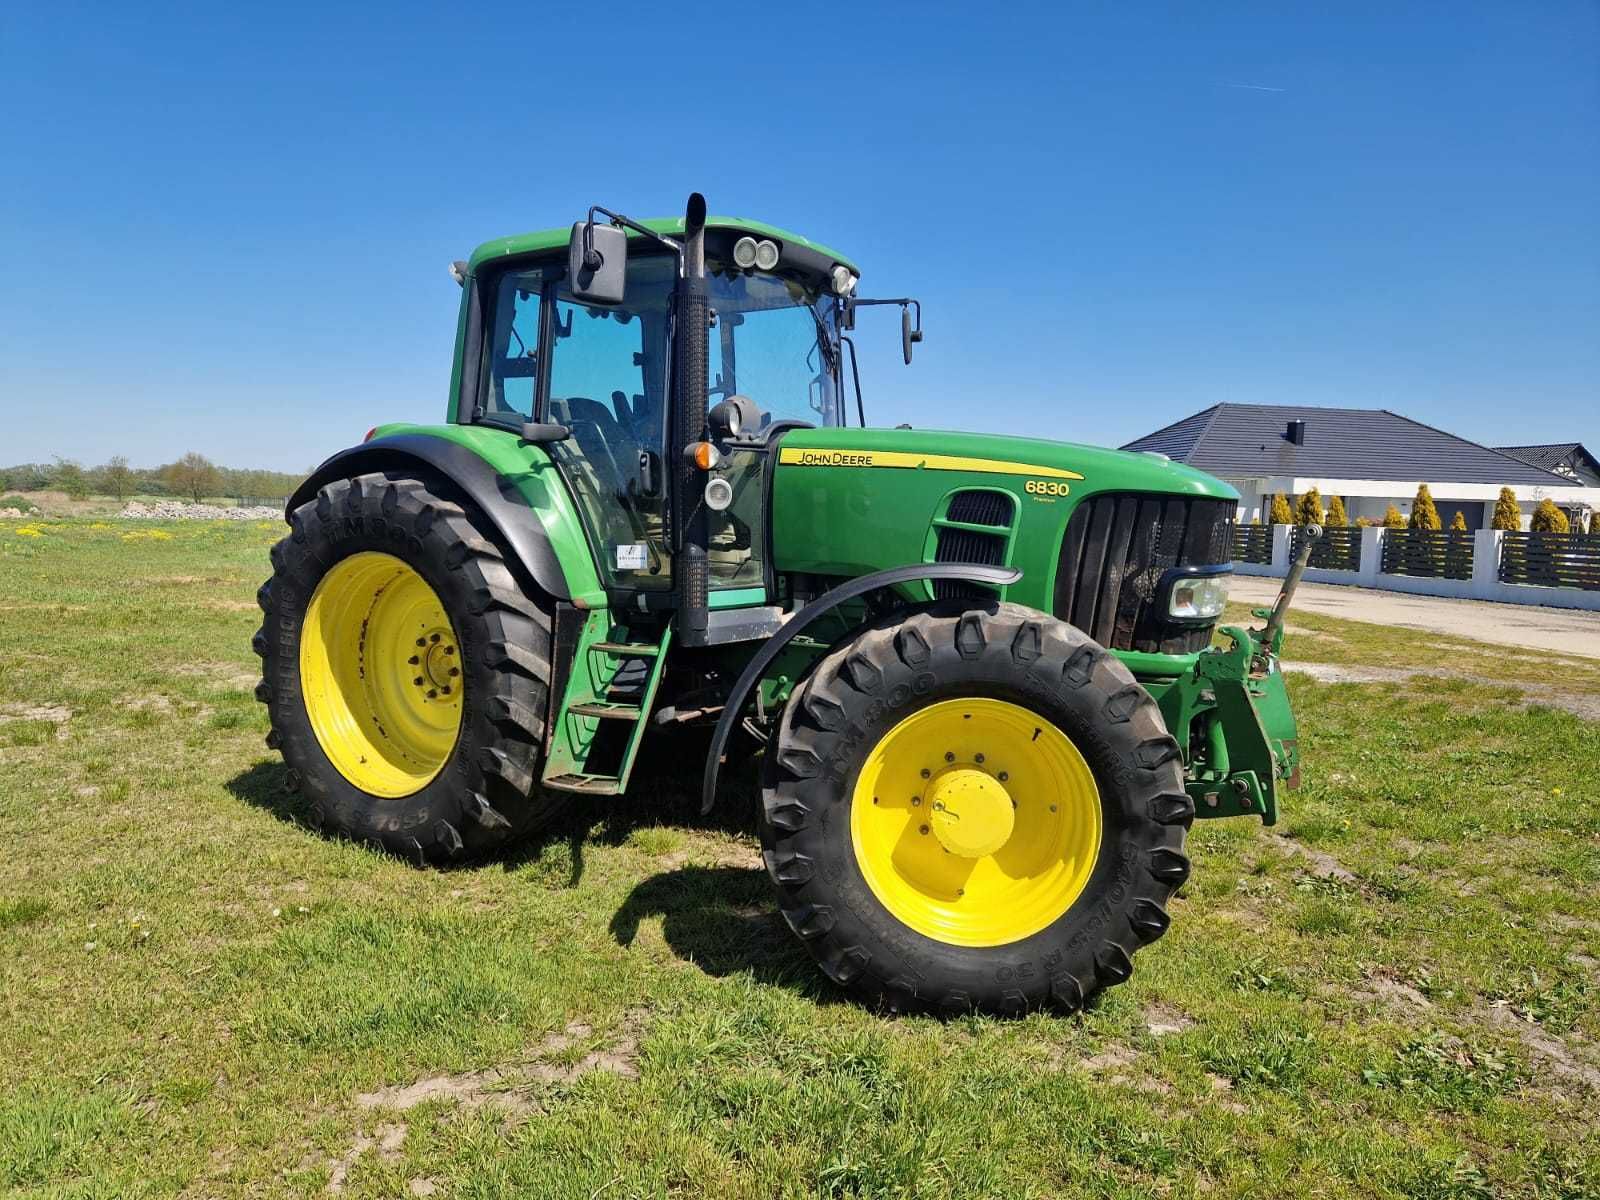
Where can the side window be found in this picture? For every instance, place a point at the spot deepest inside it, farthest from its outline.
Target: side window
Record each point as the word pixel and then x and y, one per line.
pixel 514 358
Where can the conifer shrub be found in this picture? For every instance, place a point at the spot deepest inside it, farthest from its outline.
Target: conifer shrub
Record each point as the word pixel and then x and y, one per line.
pixel 1458 523
pixel 1309 510
pixel 1392 518
pixel 1506 513
pixel 1423 513
pixel 1282 514
pixel 1547 518
pixel 1337 517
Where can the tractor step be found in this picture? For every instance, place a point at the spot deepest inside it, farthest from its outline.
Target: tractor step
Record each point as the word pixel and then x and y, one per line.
pixel 627 649
pixel 597 729
pixel 588 785
pixel 607 708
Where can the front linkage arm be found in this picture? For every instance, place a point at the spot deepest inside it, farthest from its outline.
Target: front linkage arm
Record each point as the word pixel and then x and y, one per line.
pixel 1232 715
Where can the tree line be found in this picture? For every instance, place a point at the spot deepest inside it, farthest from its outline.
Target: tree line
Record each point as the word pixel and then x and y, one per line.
pixel 1308 510
pixel 193 477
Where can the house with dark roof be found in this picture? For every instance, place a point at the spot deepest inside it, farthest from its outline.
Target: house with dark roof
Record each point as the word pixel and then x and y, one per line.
pixel 1370 456
pixel 1564 458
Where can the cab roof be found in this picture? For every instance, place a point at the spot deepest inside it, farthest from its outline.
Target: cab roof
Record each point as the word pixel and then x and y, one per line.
pixel 553 239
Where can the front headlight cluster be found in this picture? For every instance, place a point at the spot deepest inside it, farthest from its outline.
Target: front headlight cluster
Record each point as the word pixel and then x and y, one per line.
pixel 1197 597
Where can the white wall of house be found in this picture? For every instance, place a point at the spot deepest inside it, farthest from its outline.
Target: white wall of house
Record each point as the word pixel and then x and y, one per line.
pixel 1371 498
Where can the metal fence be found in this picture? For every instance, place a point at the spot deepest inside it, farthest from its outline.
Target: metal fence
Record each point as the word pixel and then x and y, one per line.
pixel 1432 553
pixel 1338 550
pixel 1252 544
pixel 1551 559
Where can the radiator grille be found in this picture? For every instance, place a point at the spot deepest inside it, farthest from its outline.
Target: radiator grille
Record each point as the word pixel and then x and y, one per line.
pixel 1116 548
pixel 966 546
pixel 982 508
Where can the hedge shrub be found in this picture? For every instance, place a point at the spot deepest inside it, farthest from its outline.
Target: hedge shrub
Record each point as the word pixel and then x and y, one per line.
pixel 1547 518
pixel 1506 513
pixel 1423 513
pixel 1282 514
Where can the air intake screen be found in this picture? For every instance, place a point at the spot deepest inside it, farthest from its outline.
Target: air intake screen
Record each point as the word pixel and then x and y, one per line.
pixel 966 546
pixel 982 508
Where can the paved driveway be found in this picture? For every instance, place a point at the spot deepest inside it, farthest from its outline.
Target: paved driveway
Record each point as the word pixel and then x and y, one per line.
pixel 1563 630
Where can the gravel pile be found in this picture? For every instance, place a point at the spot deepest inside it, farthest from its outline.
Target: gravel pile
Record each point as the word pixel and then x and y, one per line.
pixel 176 510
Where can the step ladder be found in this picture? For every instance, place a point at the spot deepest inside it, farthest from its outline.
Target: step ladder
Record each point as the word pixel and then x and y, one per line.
pixel 601 721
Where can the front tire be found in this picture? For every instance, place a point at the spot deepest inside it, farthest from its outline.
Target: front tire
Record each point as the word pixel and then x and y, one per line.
pixel 974 807
pixel 405 671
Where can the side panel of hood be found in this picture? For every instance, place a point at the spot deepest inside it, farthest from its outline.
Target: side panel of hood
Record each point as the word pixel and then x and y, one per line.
pixel 849 501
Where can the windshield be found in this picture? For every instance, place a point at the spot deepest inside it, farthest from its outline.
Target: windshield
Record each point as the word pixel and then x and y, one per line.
pixel 774 341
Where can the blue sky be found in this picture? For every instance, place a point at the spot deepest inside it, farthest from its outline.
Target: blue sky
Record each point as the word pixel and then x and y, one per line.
pixel 228 231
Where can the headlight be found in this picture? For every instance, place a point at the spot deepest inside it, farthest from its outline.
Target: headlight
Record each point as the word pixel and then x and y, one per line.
pixel 844 280
pixel 1197 597
pixel 744 252
pixel 766 254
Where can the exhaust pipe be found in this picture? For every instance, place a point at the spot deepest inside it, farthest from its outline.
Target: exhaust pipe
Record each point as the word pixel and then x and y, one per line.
pixel 690 567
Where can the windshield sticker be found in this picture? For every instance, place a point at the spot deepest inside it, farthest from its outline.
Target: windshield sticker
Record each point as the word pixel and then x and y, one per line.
pixel 631 556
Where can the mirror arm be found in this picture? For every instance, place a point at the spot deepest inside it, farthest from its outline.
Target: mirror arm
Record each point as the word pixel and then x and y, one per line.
pixel 902 301
pixel 589 258
pixel 855 373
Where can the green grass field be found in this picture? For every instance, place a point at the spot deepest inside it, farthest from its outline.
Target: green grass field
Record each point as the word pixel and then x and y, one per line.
pixel 1394 992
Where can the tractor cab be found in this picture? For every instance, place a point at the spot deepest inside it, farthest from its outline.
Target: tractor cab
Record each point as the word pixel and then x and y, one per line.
pixel 587 365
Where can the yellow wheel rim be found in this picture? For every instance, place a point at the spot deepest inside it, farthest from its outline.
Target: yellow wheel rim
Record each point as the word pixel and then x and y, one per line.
pixel 976 822
pixel 380 671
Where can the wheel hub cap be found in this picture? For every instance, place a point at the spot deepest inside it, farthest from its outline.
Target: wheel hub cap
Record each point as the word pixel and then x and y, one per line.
pixel 972 813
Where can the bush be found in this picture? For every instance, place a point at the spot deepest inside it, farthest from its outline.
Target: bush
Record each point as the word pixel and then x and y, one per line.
pixel 20 503
pixel 1506 513
pixel 1547 518
pixel 1309 510
pixel 1337 517
pixel 1458 523
pixel 1392 518
pixel 1282 514
pixel 1423 514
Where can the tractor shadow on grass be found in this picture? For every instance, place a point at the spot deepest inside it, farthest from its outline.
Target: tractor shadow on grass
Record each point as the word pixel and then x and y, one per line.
pixel 724 921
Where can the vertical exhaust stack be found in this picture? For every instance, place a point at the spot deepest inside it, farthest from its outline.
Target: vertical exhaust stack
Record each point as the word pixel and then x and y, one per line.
pixel 691 571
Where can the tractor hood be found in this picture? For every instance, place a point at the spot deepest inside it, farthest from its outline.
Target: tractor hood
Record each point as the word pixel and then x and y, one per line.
pixel 846 502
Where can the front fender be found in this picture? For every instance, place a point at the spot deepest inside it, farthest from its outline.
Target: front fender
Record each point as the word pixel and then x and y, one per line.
pixel 518 525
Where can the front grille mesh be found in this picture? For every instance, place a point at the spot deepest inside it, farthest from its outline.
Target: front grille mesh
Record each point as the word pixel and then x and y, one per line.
pixel 1116 548
pixel 966 546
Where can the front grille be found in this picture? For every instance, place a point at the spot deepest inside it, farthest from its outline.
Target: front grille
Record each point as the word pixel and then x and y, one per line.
pixel 1116 548
pixel 980 507
pixel 966 546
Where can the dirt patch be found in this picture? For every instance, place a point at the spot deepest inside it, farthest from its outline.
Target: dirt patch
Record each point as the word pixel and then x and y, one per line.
pixel 1550 1052
pixel 1576 703
pixel 57 714
pixel 385 1140
pixel 1163 1021
pixel 1110 1059
pixel 1385 989
pixel 1319 863
pixel 502 1087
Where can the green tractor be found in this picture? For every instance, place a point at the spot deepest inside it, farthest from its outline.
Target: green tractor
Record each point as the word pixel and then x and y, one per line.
pixel 980 668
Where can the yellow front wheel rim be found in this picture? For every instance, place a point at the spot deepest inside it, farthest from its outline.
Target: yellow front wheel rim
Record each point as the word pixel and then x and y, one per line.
pixel 380 671
pixel 976 822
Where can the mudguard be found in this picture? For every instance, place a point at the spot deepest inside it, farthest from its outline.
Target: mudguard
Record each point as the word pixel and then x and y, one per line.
pixel 796 625
pixel 518 526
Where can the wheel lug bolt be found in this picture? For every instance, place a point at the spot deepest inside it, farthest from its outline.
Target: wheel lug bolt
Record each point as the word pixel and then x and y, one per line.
pixel 923 829
pixel 433 637
pixel 926 772
pixel 417 681
pixel 978 758
pixel 1004 776
pixel 421 642
pixel 433 694
pixel 949 756
pixel 447 689
pixel 915 801
pixel 449 649
pixel 454 671
pixel 1052 808
pixel 413 660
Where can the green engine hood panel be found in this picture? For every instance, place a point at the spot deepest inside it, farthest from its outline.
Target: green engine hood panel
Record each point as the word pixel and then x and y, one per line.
pixel 849 501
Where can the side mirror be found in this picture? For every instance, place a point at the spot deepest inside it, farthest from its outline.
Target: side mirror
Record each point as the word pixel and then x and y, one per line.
pixel 908 336
pixel 597 263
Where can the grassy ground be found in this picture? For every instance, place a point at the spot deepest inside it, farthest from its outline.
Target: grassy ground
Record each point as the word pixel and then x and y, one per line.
pixel 1392 993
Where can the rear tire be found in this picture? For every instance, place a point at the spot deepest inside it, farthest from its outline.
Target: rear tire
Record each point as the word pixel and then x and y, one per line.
pixel 483 788
pixel 1003 660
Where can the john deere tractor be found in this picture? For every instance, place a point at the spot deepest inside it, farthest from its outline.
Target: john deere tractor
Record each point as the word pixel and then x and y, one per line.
pixel 978 670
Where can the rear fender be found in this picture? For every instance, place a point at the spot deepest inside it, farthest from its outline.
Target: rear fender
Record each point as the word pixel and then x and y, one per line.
pixel 517 525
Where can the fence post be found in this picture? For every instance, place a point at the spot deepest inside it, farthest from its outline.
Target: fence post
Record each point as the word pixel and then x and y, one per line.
pixel 1282 548
pixel 1371 555
pixel 1486 563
